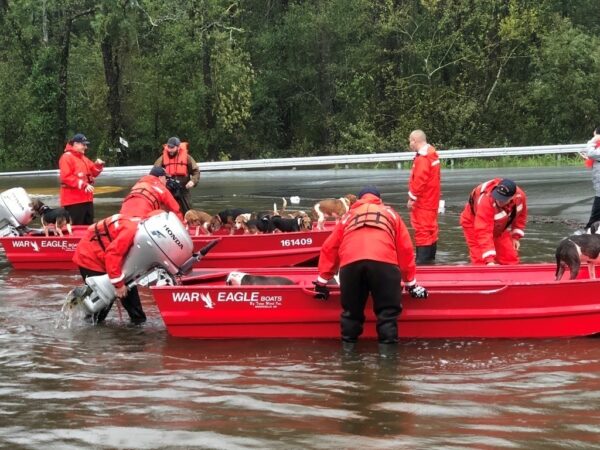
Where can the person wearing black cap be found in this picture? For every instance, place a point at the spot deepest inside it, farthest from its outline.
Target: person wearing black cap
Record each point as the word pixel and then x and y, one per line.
pixel 373 251
pixel 182 168
pixel 149 194
pixel 494 221
pixel 77 174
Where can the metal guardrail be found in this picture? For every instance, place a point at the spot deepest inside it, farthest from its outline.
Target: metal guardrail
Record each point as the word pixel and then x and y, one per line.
pixel 314 161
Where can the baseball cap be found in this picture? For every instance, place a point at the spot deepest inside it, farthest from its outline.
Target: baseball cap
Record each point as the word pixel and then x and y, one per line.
pixel 173 142
pixel 369 190
pixel 158 172
pixel 505 190
pixel 79 137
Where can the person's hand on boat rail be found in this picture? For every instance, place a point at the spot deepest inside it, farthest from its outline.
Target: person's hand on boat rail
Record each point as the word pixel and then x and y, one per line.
pixel 321 291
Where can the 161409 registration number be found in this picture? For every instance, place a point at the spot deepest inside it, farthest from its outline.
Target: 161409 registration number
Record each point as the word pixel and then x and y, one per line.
pixel 296 242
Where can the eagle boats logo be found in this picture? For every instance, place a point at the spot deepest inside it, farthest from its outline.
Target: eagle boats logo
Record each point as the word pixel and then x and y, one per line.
pixel 253 299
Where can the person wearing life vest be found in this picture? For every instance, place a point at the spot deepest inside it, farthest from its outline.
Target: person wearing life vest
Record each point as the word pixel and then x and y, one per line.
pixel 494 221
pixel 77 174
pixel 182 168
pixel 424 188
pixel 102 250
pixel 373 251
pixel 592 153
pixel 150 194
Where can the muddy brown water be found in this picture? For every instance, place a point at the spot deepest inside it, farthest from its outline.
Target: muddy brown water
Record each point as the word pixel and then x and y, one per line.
pixel 117 386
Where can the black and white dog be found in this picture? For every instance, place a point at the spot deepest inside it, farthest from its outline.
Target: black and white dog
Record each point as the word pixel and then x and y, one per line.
pixel 287 225
pixel 246 279
pixel 52 217
pixel 578 249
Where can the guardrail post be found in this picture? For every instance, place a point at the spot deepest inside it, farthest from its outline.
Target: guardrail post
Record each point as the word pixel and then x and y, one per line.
pixel 399 166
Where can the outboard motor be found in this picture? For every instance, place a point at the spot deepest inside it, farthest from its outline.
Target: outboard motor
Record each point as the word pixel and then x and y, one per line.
pixel 161 250
pixel 15 211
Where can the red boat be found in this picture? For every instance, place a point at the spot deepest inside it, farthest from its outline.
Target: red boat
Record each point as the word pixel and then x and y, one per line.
pixel 244 251
pixel 520 301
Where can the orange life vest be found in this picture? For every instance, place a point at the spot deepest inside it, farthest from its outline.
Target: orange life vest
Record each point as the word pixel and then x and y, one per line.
pixel 370 215
pixel 143 189
pixel 176 166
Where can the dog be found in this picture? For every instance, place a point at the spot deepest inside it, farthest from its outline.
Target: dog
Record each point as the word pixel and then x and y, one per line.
pixel 245 279
pixel 57 218
pixel 253 225
pixel 332 207
pixel 198 219
pixel 226 219
pixel 287 224
pixel 575 250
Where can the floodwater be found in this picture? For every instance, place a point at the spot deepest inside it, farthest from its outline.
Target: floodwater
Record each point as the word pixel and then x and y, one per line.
pixel 118 386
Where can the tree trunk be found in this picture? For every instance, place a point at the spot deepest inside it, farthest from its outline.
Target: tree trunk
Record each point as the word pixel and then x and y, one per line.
pixel 112 76
pixel 211 122
pixel 63 78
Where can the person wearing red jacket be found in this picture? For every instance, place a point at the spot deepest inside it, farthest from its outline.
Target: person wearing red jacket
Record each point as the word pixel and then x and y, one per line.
pixel 102 250
pixel 182 169
pixel 592 155
pixel 373 251
pixel 77 174
pixel 150 194
pixel 494 221
pixel 424 188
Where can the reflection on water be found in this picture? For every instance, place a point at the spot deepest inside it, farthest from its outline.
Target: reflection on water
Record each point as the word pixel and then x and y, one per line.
pixel 122 386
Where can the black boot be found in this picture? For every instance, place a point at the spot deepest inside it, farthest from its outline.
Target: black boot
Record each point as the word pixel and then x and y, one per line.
pixel 426 254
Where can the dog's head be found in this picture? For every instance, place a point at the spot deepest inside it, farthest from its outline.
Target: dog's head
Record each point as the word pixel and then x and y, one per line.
pixel 305 222
pixel 215 223
pixel 241 221
pixel 37 205
pixel 351 198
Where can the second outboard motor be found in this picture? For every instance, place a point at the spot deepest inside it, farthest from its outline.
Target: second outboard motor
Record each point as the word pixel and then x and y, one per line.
pixel 161 247
pixel 15 211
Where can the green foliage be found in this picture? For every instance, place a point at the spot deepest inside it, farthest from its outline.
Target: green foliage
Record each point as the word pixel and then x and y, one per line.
pixel 250 79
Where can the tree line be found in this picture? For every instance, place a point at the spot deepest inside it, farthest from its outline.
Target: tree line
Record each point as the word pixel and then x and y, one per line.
pixel 277 78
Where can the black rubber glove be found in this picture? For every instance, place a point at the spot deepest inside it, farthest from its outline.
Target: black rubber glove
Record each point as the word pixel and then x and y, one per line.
pixel 321 291
pixel 417 291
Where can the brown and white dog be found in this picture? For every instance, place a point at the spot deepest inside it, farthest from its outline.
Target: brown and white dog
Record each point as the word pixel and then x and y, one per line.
pixel 575 250
pixel 332 207
pixel 57 218
pixel 245 279
pixel 200 220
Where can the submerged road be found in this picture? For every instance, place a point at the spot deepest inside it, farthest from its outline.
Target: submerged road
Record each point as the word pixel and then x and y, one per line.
pixel 117 386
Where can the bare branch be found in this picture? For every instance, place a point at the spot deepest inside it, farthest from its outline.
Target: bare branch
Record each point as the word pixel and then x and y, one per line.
pixel 506 59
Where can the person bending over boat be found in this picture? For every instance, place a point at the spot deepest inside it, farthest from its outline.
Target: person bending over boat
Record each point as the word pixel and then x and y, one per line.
pixel 150 194
pixel 102 250
pixel 372 248
pixel 493 222
pixel 77 174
